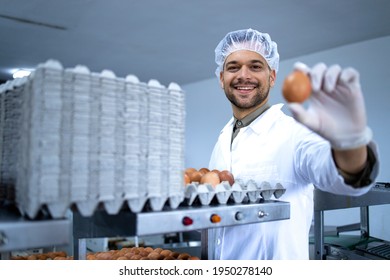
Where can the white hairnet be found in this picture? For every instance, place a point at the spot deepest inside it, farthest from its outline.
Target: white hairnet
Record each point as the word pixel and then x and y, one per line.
pixel 247 39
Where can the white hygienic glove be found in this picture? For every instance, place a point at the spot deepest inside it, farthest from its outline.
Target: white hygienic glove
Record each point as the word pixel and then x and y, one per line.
pixel 336 109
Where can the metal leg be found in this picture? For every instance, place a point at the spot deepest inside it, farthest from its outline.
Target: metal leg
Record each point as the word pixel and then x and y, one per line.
pixel 82 249
pixel 204 254
pixel 5 255
pixel 364 222
pixel 319 235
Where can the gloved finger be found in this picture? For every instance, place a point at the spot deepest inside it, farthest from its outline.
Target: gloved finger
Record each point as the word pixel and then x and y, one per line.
pixel 300 66
pixel 350 76
pixel 301 115
pixel 317 76
pixel 331 78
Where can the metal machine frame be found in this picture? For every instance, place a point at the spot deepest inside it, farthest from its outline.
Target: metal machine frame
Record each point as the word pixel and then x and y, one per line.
pixel 323 201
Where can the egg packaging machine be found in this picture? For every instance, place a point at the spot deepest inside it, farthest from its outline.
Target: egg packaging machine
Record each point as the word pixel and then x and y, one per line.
pixel 44 231
pixel 182 219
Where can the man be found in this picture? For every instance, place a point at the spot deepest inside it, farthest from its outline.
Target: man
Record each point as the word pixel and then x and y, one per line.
pixel 327 145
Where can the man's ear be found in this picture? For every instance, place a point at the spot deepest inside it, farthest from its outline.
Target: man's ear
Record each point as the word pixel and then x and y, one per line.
pixel 221 80
pixel 272 78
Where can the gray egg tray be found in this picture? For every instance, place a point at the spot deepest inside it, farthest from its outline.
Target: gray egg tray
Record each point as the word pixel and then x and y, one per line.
pixel 239 192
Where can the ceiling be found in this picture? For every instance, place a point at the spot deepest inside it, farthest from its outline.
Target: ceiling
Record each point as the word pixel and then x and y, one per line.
pixel 173 40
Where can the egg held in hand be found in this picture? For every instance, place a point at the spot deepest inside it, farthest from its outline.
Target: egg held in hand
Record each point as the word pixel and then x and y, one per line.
pixel 296 87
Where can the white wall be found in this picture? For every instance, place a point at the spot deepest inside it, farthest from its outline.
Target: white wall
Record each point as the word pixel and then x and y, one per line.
pixel 208 111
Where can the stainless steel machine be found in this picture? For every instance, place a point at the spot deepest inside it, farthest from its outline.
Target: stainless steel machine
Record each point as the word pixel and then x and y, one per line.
pixel 183 219
pixel 333 245
pixel 17 233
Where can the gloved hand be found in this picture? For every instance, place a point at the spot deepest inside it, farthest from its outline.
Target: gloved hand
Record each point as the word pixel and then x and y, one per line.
pixel 336 109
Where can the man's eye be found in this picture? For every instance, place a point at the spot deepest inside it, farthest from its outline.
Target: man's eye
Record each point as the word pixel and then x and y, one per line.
pixel 232 68
pixel 257 67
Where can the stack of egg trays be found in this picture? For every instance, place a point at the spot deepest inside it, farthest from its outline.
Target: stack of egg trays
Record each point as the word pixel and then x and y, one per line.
pixel 223 193
pixel 158 145
pixel 86 138
pixel 176 144
pixel 79 131
pixel 39 164
pixel 135 143
pixel 108 134
pixel 10 114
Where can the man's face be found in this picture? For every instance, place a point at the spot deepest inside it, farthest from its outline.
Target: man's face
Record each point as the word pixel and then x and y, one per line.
pixel 246 79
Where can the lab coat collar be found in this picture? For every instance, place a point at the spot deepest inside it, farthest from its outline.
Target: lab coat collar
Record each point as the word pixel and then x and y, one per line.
pixel 229 126
pixel 262 124
pixel 265 121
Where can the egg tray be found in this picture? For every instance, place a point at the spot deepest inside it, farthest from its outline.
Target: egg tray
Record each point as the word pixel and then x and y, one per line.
pixel 223 193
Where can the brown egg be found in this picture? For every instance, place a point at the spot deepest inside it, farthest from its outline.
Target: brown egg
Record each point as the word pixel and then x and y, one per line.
pixel 136 250
pixel 187 179
pixel 124 250
pixel 91 257
pixel 144 253
pixel 296 87
pixel 136 257
pixel 149 249
pixel 42 256
pixel 157 250
pixel 115 255
pixel 129 255
pixel 104 256
pixel 155 256
pixel 174 255
pixel 122 258
pixel 166 253
pixel 226 175
pixel 51 255
pixel 193 258
pixel 204 170
pixel 169 258
pixel 211 178
pixel 60 258
pixel 189 170
pixel 183 256
pixel 196 176
pixel 61 254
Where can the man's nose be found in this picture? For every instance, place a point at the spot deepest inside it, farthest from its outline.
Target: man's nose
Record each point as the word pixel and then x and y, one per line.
pixel 244 73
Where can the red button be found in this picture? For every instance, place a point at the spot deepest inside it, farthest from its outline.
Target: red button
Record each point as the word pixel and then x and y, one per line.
pixel 187 221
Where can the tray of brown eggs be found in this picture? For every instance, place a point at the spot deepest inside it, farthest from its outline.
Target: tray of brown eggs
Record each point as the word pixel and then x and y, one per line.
pixel 133 253
pixel 204 186
pixel 141 253
pixel 60 255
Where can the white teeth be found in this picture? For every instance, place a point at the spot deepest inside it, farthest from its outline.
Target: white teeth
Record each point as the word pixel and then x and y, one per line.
pixel 245 88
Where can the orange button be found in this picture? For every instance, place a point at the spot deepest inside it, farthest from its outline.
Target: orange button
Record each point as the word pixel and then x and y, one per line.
pixel 215 218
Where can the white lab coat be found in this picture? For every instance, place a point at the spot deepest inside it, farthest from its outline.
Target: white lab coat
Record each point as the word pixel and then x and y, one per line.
pixel 277 149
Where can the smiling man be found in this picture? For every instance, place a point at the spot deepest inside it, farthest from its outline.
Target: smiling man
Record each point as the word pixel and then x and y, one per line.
pixel 246 80
pixel 328 145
